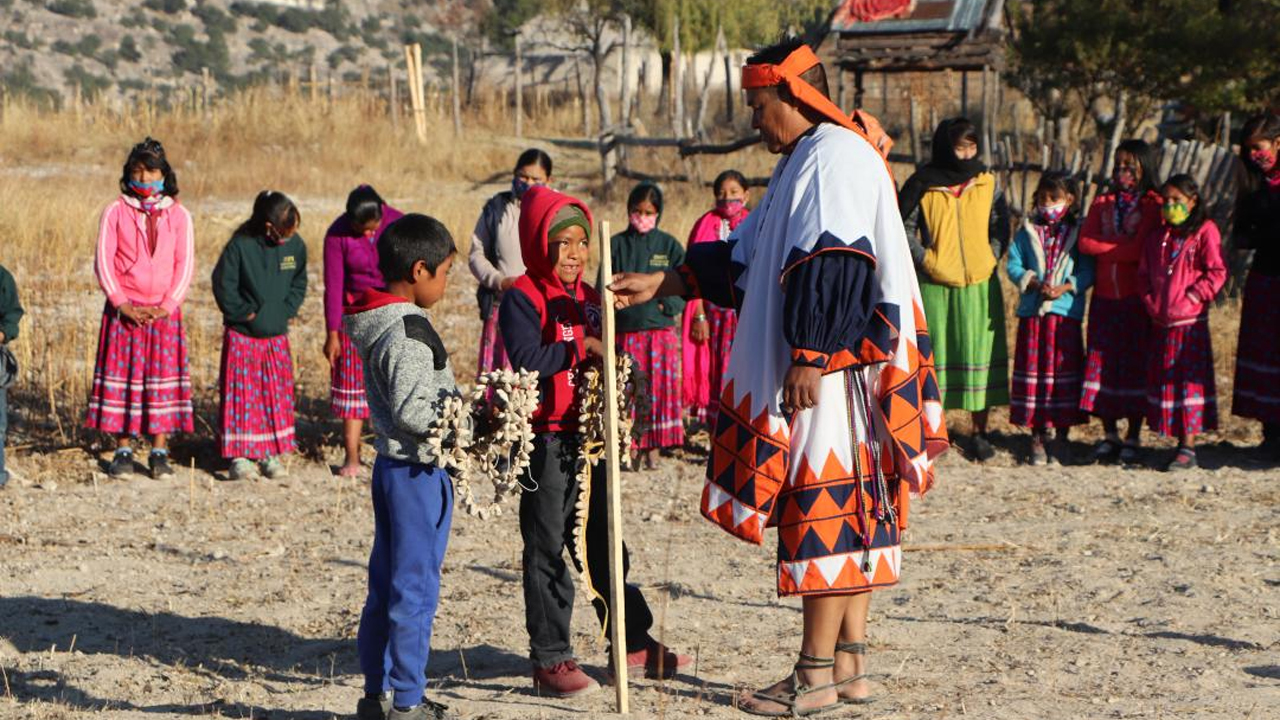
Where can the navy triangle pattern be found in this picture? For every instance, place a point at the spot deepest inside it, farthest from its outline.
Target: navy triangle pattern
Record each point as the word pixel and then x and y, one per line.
pixel 840 493
pixel 765 451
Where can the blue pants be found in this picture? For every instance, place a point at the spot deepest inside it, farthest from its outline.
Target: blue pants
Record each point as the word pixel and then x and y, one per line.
pixel 412 512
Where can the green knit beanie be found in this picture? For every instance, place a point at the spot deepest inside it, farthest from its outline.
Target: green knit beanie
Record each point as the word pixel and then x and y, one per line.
pixel 568 216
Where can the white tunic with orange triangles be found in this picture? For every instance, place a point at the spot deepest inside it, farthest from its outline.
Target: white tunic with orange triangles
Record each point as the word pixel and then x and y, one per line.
pixel 837 499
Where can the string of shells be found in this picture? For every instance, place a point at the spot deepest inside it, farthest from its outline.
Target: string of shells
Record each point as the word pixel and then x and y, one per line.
pixel 487 435
pixel 589 384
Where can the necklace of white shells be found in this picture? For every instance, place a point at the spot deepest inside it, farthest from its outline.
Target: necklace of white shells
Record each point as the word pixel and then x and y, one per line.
pixel 487 435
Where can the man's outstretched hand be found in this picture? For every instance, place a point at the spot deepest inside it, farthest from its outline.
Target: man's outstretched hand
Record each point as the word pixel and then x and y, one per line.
pixel 630 289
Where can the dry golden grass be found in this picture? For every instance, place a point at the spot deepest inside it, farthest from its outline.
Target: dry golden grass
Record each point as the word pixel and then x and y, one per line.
pixel 61 168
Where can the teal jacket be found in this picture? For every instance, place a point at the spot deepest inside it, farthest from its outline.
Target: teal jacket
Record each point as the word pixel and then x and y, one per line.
pixel 10 309
pixel 651 252
pixel 1026 263
pixel 266 281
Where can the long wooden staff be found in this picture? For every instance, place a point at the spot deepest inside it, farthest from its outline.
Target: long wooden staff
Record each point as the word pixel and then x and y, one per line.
pixel 613 495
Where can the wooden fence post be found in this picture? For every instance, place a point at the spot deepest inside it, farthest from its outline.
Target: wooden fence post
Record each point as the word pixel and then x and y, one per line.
pixel 519 88
pixel 456 91
pixel 624 95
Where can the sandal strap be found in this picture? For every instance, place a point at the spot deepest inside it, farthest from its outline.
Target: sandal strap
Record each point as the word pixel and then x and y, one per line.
pixel 853 648
pixel 810 662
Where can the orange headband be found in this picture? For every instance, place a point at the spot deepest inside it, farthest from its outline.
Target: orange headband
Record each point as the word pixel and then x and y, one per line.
pixel 788 73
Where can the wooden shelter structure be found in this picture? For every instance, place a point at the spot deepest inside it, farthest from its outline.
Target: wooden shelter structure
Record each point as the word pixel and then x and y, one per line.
pixel 889 37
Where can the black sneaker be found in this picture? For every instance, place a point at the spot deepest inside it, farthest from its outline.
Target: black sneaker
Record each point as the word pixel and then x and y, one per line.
pixel 121 464
pixel 1107 452
pixel 1131 455
pixel 158 463
pixel 374 708
pixel 983 450
pixel 428 710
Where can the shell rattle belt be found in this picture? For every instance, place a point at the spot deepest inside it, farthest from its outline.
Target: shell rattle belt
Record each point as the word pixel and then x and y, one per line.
pixel 487 435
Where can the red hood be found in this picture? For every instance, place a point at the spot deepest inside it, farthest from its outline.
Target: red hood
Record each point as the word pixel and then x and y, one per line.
pixel 372 300
pixel 538 209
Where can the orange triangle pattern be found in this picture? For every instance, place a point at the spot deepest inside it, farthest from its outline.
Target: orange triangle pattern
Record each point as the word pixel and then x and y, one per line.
pixel 747 469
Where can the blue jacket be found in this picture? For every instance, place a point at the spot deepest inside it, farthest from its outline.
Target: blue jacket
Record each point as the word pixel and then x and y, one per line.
pixel 1026 263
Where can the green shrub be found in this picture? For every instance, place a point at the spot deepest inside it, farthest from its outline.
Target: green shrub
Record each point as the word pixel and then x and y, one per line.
pixel 215 19
pixel 19 80
pixel 86 46
pixel 73 8
pixel 193 55
pixel 346 53
pixel 171 7
pixel 90 85
pixel 21 40
pixel 129 49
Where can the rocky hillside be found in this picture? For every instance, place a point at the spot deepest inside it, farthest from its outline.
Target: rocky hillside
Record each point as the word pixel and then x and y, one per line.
pixel 119 47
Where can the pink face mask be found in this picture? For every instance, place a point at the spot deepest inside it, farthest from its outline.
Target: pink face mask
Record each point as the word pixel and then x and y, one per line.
pixel 643 223
pixel 1264 159
pixel 1125 179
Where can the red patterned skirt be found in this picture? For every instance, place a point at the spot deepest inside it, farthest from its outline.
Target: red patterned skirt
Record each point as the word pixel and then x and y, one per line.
pixel 346 383
pixel 1047 372
pixel 1115 374
pixel 256 385
pixel 493 354
pixel 141 384
pixel 1181 399
pixel 1257 385
pixel 657 362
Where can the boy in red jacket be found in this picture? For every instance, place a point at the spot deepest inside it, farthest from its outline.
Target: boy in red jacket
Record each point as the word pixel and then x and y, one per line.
pixel 550 322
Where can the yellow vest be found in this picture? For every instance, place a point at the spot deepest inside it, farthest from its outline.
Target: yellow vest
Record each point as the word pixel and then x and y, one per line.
pixel 959 254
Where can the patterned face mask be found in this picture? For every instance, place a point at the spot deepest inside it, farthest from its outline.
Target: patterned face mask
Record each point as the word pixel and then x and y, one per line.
pixel 1125 178
pixel 1051 214
pixel 1175 213
pixel 643 223
pixel 729 206
pixel 147 189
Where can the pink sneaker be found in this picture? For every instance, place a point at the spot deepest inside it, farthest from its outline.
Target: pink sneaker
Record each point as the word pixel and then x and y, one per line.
pixel 562 680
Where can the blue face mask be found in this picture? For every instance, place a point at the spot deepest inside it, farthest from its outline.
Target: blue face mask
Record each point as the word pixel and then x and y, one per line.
pixel 520 187
pixel 147 189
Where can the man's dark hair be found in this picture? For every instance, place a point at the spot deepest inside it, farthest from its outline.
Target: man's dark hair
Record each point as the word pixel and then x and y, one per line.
pixel 364 206
pixel 412 239
pixel 149 154
pixel 778 52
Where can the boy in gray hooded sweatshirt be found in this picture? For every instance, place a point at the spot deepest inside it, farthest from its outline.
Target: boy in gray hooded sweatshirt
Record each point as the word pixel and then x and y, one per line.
pixel 407 376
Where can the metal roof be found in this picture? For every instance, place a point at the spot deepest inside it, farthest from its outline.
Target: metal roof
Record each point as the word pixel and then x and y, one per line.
pixel 957 16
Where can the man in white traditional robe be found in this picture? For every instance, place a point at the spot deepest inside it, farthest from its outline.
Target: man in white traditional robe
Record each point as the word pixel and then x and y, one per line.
pixel 830 414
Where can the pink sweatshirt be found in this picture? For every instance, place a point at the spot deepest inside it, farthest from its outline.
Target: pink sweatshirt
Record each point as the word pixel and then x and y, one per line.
pixel 1179 275
pixel 127 272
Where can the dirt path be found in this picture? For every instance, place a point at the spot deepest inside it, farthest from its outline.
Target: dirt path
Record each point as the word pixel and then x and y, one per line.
pixel 1066 593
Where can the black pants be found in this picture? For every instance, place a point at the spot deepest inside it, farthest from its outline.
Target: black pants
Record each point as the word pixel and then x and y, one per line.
pixel 546 525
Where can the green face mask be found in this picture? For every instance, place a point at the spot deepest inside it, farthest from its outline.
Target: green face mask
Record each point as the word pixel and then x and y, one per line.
pixel 1175 213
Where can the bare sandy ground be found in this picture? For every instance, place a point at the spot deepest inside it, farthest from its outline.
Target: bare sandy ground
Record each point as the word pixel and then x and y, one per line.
pixel 1068 592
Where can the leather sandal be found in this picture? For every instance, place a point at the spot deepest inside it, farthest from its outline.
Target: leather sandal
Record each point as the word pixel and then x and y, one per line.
pixel 854 648
pixel 798 690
